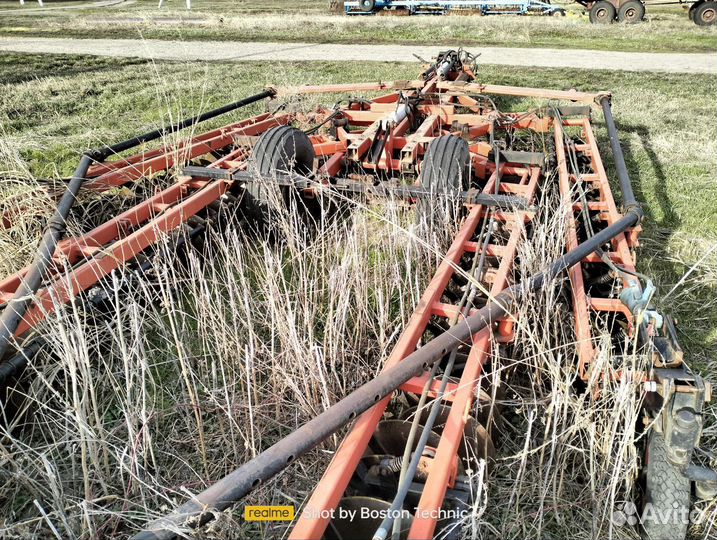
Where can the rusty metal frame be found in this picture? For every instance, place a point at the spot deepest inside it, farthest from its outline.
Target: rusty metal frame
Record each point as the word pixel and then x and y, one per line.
pixel 587 308
pixel 370 142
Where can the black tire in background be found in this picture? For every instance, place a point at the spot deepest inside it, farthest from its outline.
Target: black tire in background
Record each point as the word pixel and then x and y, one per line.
pixel 446 168
pixel 281 149
pixel 367 5
pixel 666 490
pixel 631 12
pixel 602 12
pixel 705 14
pixel 691 11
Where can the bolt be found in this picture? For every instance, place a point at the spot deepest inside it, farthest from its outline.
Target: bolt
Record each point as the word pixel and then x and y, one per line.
pixel 705 490
pixel 684 419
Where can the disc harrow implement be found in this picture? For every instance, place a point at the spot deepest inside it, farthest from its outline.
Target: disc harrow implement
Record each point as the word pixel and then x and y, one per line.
pixel 424 432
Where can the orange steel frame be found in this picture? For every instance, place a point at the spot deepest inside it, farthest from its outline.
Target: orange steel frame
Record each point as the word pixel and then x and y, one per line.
pixel 88 258
pixel 314 518
pixel 81 262
pixel 587 308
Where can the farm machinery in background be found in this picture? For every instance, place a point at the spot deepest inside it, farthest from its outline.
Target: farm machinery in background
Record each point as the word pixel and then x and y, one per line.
pixel 701 12
pixel 434 139
pixel 445 7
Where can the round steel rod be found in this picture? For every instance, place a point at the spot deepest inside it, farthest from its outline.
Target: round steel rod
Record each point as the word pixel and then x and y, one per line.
pixel 267 464
pixel 628 196
pixel 23 297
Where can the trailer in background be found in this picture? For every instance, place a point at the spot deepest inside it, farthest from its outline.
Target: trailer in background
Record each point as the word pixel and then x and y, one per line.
pixel 443 7
pixel 701 12
pixel 608 11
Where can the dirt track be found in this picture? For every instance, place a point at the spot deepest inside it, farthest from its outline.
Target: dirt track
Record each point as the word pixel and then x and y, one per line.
pixel 233 51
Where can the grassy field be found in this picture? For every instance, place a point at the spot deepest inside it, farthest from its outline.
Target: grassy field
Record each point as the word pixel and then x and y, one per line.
pixel 173 400
pixel 667 29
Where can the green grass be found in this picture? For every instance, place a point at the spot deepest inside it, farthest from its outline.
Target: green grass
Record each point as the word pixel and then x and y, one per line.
pixel 52 108
pixel 667 30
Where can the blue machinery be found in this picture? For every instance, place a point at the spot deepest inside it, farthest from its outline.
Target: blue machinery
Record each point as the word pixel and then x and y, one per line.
pixel 442 7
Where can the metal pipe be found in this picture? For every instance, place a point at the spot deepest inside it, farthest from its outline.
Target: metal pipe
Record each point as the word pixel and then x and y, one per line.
pixel 156 134
pixel 628 196
pixel 23 297
pixel 268 463
pixel 17 363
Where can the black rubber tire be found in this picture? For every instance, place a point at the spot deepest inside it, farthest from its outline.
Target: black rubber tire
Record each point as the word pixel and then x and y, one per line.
pixel 367 5
pixel 631 12
pixel 446 167
pixel 602 12
pixel 691 11
pixel 281 149
pixel 705 14
pixel 667 490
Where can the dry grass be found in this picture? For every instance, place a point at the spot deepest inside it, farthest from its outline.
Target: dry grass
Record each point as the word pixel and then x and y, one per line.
pixel 195 370
pixel 189 377
pixel 191 372
pixel 568 459
pixel 25 203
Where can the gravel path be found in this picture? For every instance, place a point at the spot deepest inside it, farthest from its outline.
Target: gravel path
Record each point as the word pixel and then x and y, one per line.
pixel 239 51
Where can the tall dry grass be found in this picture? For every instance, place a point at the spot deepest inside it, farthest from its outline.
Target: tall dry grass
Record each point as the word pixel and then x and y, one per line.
pixel 568 458
pixel 194 371
pixel 198 366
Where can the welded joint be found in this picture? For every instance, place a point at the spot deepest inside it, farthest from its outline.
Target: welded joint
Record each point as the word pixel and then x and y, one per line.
pixel 635 206
pixel 600 97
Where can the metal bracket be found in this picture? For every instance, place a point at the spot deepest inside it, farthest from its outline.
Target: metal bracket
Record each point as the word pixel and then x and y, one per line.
pixel 345 185
pixel 666 350
pixel 683 397
pixel 570 110
pixel 522 158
